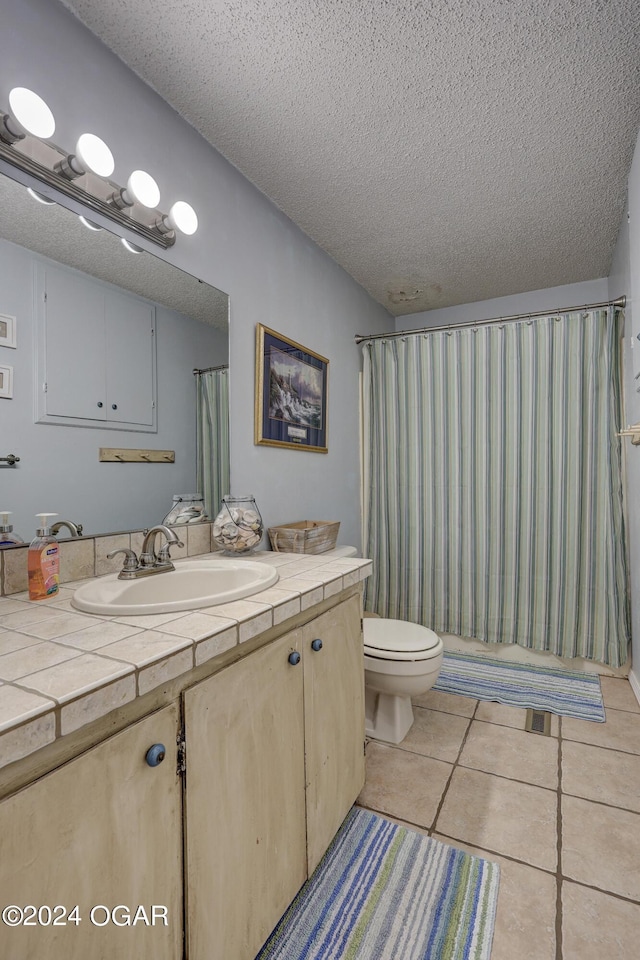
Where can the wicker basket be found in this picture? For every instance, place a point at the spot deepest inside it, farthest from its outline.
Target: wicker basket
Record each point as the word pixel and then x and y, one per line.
pixel 304 536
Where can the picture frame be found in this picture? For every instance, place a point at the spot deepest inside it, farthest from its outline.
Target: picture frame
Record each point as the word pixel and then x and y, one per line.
pixel 6 382
pixel 7 331
pixel 291 393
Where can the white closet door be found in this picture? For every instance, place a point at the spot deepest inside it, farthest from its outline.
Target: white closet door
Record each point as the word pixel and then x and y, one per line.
pixel 129 359
pixel 74 347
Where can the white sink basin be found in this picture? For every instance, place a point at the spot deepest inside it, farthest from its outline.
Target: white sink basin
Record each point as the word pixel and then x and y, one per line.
pixel 193 583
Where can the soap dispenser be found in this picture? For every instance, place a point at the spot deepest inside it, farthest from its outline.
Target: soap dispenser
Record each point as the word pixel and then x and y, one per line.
pixel 7 537
pixel 43 561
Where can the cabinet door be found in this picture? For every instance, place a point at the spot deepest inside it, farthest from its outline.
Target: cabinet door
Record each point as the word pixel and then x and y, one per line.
pixel 130 359
pixel 74 346
pixel 104 832
pixel 334 722
pixel 96 355
pixel 245 811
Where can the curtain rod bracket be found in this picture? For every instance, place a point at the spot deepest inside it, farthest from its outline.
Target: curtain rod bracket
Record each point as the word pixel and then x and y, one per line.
pixel 196 372
pixel 634 432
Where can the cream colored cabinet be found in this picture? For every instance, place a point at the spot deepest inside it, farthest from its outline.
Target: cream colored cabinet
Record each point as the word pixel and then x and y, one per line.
pixel 275 760
pixel 333 660
pixel 245 809
pixel 113 854
pixel 91 861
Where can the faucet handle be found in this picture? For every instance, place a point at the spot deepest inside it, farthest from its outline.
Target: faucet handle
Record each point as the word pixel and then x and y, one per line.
pixel 131 560
pixel 164 555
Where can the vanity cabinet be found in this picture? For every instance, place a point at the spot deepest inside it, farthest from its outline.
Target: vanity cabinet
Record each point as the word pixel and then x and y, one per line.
pixel 101 832
pixel 96 353
pixel 207 848
pixel 275 760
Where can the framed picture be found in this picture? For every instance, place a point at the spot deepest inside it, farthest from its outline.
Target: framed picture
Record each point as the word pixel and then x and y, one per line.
pixel 291 393
pixel 6 382
pixel 7 331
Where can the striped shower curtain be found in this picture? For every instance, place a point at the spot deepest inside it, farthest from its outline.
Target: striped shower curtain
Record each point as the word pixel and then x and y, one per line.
pixel 212 443
pixel 493 506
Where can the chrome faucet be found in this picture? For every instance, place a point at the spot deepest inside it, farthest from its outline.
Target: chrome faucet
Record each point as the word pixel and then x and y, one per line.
pixel 149 561
pixel 75 529
pixel 148 557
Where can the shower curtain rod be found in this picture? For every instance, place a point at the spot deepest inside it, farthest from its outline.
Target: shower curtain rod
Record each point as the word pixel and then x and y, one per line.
pixel 223 366
pixel 620 302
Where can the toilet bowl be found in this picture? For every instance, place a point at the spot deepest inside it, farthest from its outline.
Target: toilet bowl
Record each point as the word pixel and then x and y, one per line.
pixel 401 660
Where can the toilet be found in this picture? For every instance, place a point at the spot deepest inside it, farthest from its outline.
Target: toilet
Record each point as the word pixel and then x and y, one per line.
pixel 401 660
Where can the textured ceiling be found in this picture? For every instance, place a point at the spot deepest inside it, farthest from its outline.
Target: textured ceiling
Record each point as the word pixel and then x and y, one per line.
pixel 55 232
pixel 441 152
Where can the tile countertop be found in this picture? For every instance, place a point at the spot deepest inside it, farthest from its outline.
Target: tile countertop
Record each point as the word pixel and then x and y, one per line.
pixel 61 669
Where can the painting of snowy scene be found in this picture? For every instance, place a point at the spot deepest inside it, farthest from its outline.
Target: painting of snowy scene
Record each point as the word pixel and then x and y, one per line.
pixel 291 393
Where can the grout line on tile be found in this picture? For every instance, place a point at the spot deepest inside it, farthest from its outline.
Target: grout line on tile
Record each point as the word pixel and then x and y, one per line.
pixel 600 803
pixel 389 816
pixel 454 767
pixel 502 776
pixel 607 893
pixel 448 713
pixel 456 842
pixel 602 746
pixel 559 917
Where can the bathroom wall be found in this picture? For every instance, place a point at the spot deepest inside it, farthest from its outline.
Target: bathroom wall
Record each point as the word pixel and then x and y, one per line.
pixel 625 278
pixel 245 246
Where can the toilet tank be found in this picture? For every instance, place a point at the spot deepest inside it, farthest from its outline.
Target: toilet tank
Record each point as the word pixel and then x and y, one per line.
pixel 345 551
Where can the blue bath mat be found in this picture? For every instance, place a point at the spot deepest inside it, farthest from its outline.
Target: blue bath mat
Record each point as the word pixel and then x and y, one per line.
pixel 383 892
pixel 564 692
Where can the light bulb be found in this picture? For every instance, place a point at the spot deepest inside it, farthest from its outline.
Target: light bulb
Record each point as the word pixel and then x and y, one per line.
pixel 93 154
pixel 183 217
pixel 142 187
pixel 40 197
pixel 89 224
pixel 131 247
pixel 31 112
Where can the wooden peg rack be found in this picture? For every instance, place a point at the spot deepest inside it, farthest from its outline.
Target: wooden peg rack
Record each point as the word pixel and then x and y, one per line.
pixel 120 455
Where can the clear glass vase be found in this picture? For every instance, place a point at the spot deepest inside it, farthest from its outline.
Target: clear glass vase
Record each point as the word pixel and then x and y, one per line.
pixel 238 528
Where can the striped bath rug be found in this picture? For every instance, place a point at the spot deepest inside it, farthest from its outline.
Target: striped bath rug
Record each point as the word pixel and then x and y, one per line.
pixel 565 692
pixel 382 892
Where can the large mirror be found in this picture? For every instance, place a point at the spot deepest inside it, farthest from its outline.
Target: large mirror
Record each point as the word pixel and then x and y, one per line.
pixel 59 470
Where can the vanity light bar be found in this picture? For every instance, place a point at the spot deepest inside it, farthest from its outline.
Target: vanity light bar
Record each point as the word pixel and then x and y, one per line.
pixel 97 204
pixel 24 132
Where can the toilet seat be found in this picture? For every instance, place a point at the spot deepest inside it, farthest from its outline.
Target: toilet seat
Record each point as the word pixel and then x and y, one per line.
pixel 399 640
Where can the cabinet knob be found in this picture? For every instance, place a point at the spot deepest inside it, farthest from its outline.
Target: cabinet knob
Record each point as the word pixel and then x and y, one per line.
pixel 155 754
pixel 316 645
pixel 100 403
pixel 114 406
pixel 294 658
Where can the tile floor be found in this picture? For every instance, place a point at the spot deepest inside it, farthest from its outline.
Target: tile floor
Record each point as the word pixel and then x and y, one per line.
pixel 560 814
